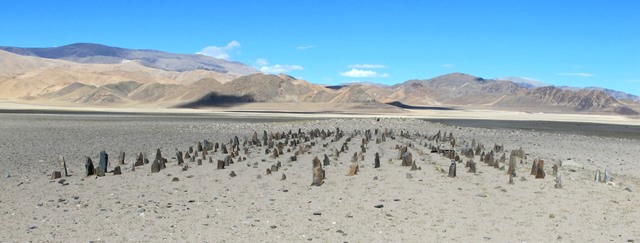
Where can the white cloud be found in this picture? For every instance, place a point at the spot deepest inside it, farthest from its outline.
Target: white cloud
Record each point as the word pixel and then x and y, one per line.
pixel 582 75
pixel 264 67
pixel 302 48
pixel 262 62
pixel 280 68
pixel 370 66
pixel 359 73
pixel 219 52
pixel 447 65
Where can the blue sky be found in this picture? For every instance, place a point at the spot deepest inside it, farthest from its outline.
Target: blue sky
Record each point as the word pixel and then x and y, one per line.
pixel 575 43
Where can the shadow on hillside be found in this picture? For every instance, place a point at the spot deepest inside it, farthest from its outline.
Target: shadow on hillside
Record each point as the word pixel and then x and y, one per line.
pixel 411 107
pixel 214 99
pixel 335 87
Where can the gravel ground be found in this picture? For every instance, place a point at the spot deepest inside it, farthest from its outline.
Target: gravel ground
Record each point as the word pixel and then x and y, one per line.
pixel 399 205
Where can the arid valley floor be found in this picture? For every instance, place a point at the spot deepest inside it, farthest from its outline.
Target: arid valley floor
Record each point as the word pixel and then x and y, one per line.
pixel 391 203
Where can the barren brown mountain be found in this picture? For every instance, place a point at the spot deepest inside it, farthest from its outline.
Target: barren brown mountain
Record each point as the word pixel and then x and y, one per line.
pixel 90 74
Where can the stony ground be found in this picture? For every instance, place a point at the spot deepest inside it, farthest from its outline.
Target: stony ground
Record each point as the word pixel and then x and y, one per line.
pixel 390 203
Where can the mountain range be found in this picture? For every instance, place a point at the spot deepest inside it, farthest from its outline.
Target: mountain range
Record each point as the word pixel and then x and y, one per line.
pixel 93 74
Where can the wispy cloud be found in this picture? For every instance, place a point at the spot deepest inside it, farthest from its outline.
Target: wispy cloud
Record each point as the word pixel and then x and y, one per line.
pixel 219 52
pixel 447 65
pixel 367 66
pixel 262 62
pixel 302 48
pixel 582 75
pixel 359 73
pixel 264 67
pixel 280 68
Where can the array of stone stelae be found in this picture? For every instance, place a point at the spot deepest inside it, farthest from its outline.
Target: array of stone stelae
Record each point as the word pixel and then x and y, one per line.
pixel 276 144
pixel 450 148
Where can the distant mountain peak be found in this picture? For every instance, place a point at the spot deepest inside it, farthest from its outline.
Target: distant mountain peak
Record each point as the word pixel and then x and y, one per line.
pixel 286 77
pixel 524 82
pixel 103 54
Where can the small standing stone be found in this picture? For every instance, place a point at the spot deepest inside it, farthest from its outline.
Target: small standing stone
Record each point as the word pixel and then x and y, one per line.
pixel 55 175
pixel 534 167
pixel 472 166
pixel 558 180
pixel 376 161
pixel 139 160
pixel 284 177
pixel 63 163
pixel 353 169
pixel 179 158
pixel 232 174
pixel 117 170
pixel 121 158
pixel 89 167
pixel 540 174
pixel 512 166
pixel 414 166
pixel 325 161
pixel 104 161
pixel 220 164
pixel 155 166
pixel 318 172
pixel 407 159
pixel 99 171
pixel 227 160
pixel 452 169
pixel 224 149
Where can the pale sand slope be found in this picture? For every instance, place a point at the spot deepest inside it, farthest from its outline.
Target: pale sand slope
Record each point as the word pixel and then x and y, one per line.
pixel 208 205
pixel 327 110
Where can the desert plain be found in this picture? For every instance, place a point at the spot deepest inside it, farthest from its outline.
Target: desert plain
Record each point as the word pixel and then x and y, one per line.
pixel 392 203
